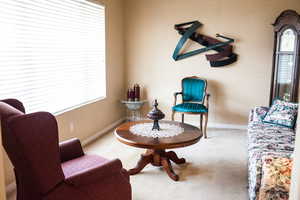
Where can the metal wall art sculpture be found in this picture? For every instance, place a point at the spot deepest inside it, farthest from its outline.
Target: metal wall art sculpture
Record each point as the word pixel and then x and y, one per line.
pixel 225 56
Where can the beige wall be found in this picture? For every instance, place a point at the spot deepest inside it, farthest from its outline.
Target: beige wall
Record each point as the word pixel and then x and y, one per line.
pixel 235 89
pixel 91 118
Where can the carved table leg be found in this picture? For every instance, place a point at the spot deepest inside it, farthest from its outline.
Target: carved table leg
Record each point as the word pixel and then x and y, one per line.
pixel 158 158
pixel 173 156
pixel 168 168
pixel 144 160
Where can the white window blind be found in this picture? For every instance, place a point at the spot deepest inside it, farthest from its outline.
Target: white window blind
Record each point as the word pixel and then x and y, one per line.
pixel 52 53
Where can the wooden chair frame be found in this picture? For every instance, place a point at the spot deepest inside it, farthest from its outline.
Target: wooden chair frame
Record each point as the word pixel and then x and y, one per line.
pixel 204 101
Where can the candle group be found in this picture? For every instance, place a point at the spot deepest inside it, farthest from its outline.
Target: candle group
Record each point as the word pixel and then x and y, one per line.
pixel 133 94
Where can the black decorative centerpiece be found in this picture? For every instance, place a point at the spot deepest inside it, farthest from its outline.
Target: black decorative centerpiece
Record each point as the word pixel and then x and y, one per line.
pixel 155 114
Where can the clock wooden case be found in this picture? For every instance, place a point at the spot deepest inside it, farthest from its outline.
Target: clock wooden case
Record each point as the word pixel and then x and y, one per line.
pixel 285 72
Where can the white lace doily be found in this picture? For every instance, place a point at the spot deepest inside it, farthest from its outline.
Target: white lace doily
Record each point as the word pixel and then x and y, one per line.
pixel 166 130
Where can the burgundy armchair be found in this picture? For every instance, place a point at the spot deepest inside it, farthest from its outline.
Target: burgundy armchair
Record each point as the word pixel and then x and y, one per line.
pixel 47 170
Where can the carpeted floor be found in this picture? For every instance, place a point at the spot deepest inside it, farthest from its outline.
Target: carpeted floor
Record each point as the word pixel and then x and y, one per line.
pixel 216 168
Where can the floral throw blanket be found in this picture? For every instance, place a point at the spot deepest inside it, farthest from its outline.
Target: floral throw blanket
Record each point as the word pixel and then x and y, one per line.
pixel 276 178
pixel 265 140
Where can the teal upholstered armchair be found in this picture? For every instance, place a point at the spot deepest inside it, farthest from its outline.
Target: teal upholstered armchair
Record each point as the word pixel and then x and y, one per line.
pixel 195 100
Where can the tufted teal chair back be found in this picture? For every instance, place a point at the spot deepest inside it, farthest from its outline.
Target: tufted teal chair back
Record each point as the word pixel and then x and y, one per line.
pixel 193 89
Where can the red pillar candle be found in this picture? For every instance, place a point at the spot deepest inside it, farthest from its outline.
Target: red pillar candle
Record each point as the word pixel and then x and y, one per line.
pixel 131 95
pixel 128 94
pixel 136 92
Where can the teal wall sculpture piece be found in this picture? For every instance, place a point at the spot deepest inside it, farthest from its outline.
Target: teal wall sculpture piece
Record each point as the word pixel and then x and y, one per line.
pixel 225 56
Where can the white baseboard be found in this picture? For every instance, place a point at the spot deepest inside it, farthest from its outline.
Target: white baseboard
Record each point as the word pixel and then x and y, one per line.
pixel 12 186
pixel 218 125
pixel 227 126
pixel 102 132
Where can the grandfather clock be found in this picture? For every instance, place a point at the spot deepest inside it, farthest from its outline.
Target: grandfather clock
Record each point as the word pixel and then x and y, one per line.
pixel 286 59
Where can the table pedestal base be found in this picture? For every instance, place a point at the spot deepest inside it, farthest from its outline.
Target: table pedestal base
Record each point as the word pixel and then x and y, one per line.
pixel 158 158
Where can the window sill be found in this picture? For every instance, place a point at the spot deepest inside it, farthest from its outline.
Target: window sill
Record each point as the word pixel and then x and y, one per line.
pixel 78 106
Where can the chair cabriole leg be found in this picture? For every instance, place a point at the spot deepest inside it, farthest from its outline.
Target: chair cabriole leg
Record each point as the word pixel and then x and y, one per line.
pixel 201 122
pixel 205 124
pixel 173 114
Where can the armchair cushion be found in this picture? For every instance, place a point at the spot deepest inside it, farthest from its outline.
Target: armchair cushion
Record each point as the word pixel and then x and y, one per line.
pixel 70 149
pixel 190 107
pixel 90 168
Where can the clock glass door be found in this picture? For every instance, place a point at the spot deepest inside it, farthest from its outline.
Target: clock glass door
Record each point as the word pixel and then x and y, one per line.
pixel 285 65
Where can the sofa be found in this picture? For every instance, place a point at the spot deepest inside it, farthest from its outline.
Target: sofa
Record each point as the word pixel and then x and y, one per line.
pixel 265 141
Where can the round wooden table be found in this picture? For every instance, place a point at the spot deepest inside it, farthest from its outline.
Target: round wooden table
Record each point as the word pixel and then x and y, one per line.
pixel 155 153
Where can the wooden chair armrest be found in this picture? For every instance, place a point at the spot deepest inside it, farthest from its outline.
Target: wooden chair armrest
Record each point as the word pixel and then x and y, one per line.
pixel 207 100
pixel 175 97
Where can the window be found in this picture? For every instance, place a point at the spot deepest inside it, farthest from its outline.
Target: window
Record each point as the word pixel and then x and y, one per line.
pixel 52 53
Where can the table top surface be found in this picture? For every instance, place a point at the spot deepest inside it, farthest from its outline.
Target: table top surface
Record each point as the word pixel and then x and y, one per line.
pixel 191 135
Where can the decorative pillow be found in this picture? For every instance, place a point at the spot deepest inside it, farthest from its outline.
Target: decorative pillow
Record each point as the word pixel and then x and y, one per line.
pixel 259 113
pixel 282 113
pixel 276 178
